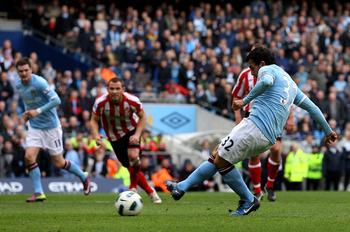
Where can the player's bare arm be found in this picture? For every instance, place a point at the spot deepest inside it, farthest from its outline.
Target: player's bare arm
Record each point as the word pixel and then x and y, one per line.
pixel 135 138
pixel 290 121
pixel 94 129
pixel 238 115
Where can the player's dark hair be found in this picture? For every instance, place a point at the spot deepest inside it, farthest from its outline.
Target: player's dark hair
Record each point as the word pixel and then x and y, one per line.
pixel 258 45
pixel 115 80
pixel 259 54
pixel 23 61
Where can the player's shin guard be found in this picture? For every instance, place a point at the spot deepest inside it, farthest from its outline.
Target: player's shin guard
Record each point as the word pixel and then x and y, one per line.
pixel 272 171
pixel 35 176
pixel 255 176
pixel 233 178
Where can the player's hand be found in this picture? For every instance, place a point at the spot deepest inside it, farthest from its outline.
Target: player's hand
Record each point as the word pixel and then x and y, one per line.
pixel 98 140
pixel 133 140
pixel 289 125
pixel 29 114
pixel 25 115
pixel 237 104
pixel 331 137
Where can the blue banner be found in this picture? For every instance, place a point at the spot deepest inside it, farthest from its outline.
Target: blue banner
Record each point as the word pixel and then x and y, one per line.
pixel 61 185
pixel 171 119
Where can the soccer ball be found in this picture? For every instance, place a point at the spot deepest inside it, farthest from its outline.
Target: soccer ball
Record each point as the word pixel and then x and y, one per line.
pixel 128 203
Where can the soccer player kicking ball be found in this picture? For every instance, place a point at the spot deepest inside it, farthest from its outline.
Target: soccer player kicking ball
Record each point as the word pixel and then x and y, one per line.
pixel 44 127
pixel 119 111
pixel 274 94
pixel 245 83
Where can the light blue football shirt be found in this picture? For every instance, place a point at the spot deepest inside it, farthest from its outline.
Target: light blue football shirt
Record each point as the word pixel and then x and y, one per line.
pixel 38 94
pixel 274 93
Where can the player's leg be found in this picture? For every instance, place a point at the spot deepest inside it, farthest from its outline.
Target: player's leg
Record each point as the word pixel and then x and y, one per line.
pixel 255 175
pixel 120 148
pixel 234 180
pixel 135 167
pixel 245 140
pixel 273 165
pixel 203 172
pixel 52 140
pixel 62 163
pixel 34 174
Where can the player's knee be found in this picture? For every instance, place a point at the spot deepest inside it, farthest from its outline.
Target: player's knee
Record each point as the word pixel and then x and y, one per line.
pixel 220 162
pixel 29 159
pixel 275 152
pixel 254 160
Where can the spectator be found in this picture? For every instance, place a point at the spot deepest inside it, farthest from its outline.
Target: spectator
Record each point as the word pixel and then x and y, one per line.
pixel 162 75
pixel 48 71
pixel 50 28
pixel 332 167
pixel 73 127
pixel 101 25
pixel 71 105
pixel 99 169
pixel 314 175
pixel 70 40
pixel 99 52
pixel 147 95
pixel 346 159
pixel 318 74
pixel 295 169
pixel 86 38
pixel 146 168
pixel 64 22
pixel 129 82
pixel 38 19
pixel 334 109
pixel 8 157
pixel 5 88
pixel 340 85
pixel 141 78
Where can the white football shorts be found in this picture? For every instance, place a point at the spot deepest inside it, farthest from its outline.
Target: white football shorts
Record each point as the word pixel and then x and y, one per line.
pixel 50 139
pixel 245 140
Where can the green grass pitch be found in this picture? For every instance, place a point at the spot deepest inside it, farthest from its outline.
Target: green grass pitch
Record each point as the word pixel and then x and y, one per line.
pixel 196 211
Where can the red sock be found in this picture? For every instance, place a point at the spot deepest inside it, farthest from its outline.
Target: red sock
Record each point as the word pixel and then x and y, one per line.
pixel 272 171
pixel 144 184
pixel 134 174
pixel 255 176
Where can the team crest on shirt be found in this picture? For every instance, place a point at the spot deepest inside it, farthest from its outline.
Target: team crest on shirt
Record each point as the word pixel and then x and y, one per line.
pixel 47 90
pixel 32 91
pixel 127 110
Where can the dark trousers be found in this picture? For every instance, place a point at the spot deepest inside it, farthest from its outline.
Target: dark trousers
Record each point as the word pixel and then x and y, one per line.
pixel 312 184
pixel 332 179
pixel 346 179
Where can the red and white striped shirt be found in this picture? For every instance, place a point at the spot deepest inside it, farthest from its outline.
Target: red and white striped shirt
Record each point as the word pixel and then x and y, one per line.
pixel 117 120
pixel 245 82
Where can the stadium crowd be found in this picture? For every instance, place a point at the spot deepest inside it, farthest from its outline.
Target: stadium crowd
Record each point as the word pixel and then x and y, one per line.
pixel 168 55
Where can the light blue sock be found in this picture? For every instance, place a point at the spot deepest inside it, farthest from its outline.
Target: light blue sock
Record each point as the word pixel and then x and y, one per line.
pixel 203 172
pixel 77 171
pixel 35 176
pixel 235 181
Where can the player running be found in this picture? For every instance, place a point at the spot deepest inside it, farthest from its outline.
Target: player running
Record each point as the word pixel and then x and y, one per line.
pixel 118 111
pixel 44 127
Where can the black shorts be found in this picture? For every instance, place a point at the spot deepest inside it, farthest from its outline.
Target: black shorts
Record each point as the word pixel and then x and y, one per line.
pixel 120 148
pixel 246 115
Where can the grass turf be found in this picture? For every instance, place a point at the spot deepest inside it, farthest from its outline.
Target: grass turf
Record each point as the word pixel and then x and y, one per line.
pixel 196 211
